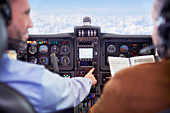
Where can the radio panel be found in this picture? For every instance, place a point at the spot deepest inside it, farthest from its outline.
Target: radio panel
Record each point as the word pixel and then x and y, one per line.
pixel 87 41
pixel 87 50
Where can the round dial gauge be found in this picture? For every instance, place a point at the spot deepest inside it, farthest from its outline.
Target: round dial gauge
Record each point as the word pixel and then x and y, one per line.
pixel 65 60
pixel 43 49
pixel 32 49
pixel 33 60
pixel 65 49
pixel 111 49
pixel 43 60
pixel 54 49
pixel 124 49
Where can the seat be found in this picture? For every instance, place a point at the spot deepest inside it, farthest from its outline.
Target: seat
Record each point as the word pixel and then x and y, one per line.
pixel 12 101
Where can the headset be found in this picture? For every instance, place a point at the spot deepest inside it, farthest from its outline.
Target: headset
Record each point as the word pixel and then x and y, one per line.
pixel 163 23
pixel 5 19
pixel 5 10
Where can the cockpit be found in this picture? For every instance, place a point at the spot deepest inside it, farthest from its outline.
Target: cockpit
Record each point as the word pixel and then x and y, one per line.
pixel 71 38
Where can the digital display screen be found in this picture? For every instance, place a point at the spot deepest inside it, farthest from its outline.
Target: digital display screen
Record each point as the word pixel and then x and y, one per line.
pixel 85 53
pixel 86 63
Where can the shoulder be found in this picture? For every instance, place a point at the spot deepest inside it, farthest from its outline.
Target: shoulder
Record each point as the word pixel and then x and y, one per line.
pixel 135 75
pixel 127 80
pixel 24 69
pixel 26 65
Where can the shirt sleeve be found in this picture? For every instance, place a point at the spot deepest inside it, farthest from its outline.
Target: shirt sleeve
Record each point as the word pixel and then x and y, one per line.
pixel 60 93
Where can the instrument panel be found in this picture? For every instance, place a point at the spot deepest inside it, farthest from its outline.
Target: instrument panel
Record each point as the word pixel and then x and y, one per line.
pixel 40 47
pixel 78 52
pixel 123 46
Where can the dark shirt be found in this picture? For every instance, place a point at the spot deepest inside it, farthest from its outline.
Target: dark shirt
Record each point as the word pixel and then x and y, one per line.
pixel 143 88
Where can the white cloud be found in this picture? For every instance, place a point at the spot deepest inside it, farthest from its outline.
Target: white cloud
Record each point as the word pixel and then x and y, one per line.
pixel 126 24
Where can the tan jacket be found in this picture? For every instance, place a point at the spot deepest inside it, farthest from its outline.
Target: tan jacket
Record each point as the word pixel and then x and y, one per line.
pixel 140 89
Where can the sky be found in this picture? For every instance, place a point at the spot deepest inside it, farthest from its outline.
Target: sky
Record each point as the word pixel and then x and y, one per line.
pixel 114 16
pixel 93 6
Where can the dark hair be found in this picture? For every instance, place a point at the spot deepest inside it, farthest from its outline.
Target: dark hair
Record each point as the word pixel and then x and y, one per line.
pixel 165 9
pixel 164 28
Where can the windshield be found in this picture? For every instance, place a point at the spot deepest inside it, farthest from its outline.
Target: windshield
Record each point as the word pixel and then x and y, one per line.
pixel 113 16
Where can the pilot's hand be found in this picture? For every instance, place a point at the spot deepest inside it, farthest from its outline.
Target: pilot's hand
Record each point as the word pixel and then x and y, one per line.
pixel 91 76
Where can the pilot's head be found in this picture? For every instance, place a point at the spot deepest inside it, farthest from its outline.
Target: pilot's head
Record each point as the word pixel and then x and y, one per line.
pixel 161 31
pixel 21 21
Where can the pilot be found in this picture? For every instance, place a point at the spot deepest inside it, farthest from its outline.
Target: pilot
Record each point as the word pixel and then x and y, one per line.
pixel 47 91
pixel 143 88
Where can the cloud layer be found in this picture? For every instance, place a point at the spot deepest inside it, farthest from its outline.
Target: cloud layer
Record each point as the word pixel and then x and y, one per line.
pixel 118 24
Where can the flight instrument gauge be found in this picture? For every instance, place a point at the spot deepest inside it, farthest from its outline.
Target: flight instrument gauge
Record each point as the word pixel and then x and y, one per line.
pixel 65 60
pixel 65 49
pixel 124 49
pixel 54 49
pixel 111 49
pixel 33 60
pixel 43 60
pixel 32 49
pixel 43 49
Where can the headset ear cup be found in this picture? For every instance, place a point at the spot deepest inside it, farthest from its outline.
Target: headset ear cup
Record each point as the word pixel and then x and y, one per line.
pixel 164 32
pixel 163 28
pixel 5 9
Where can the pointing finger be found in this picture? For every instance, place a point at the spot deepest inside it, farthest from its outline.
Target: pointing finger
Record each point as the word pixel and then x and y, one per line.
pixel 91 71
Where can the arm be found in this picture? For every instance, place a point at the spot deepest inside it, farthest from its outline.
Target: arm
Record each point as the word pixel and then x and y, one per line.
pixel 60 93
